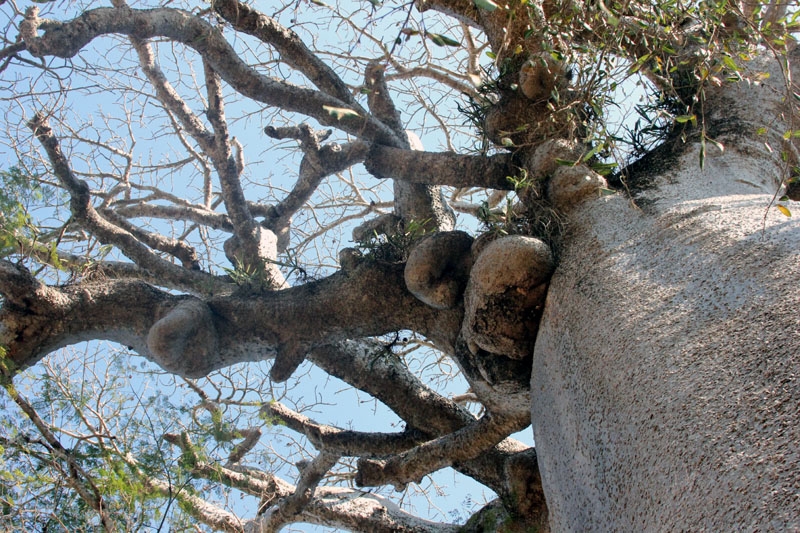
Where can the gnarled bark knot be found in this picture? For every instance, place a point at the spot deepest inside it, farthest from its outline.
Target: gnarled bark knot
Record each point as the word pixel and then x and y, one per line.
pixel 184 340
pixel 567 185
pixel 503 290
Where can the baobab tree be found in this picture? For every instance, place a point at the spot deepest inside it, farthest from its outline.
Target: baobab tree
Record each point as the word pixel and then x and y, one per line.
pixel 629 295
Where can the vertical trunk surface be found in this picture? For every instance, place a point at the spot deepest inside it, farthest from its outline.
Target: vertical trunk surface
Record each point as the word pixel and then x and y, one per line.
pixel 666 379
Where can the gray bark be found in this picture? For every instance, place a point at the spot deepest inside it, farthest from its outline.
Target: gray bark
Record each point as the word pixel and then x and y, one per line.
pixel 664 384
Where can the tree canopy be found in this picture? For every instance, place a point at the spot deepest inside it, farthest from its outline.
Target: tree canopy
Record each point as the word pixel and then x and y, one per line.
pixel 259 196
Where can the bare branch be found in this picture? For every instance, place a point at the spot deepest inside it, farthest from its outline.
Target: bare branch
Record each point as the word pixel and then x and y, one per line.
pixel 463 445
pixel 252 247
pixel 317 163
pixel 338 507
pixel 168 96
pixel 343 442
pixel 310 476
pixel 196 214
pixel 200 509
pixel 68 38
pixel 77 478
pixel 292 50
pixel 107 233
pixel 179 249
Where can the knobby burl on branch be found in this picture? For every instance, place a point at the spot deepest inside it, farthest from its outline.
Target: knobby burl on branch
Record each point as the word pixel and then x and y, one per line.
pixel 498 286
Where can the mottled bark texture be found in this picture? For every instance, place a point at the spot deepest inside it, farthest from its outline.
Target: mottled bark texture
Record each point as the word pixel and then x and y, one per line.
pixel 665 385
pixel 249 327
pixel 658 364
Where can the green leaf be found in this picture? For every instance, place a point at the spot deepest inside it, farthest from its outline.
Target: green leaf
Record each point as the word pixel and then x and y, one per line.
pixel 730 63
pixel 611 18
pixel 442 40
pixel 486 5
pixel 639 64
pixel 591 153
pixel 340 112
pixel 53 257
pixel 491 55
pixel 682 119
pixel 604 169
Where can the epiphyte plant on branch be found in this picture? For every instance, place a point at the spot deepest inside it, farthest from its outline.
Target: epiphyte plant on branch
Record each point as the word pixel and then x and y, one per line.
pixel 200 168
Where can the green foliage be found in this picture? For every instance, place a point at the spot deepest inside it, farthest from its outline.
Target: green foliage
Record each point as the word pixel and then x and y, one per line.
pixel 270 420
pixel 673 49
pixel 37 482
pixel 17 192
pixel 392 247
pixel 442 40
pixel 475 108
pixel 253 278
pixel 532 216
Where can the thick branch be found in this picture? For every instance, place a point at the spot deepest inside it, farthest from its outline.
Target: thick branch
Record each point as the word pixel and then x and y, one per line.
pixel 224 162
pixel 366 366
pixel 505 28
pixel 368 300
pixel 292 50
pixel 342 508
pixel 463 445
pixel 378 97
pixel 170 329
pixel 337 507
pixel 252 247
pixel 50 318
pixel 441 168
pixel 461 10
pixel 22 290
pixel 257 483
pixel 353 510
pixel 68 38
pixel 168 96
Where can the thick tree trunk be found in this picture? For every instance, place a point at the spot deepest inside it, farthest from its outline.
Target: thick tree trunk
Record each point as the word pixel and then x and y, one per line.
pixel 666 378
